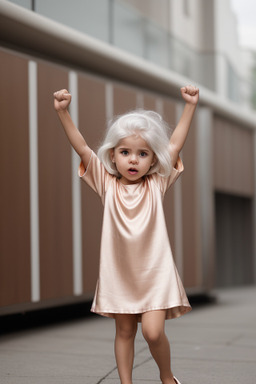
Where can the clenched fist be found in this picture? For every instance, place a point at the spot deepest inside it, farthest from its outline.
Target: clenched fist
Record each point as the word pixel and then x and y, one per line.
pixel 62 100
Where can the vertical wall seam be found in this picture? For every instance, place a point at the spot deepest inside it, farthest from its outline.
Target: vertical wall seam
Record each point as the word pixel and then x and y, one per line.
pixel 178 226
pixel 202 192
pixel 178 233
pixel 160 106
pixel 177 190
pixel 139 100
pixel 205 197
pixel 201 185
pixel 109 101
pixel 254 205
pixel 34 194
pixel 76 196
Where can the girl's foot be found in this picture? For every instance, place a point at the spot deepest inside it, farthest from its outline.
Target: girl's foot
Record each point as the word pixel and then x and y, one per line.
pixel 173 380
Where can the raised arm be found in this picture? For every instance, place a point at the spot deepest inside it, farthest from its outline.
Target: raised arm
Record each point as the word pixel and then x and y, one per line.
pixel 191 95
pixel 62 100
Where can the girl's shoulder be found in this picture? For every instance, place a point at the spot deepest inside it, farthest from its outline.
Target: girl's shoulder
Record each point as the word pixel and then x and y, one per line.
pixel 95 175
pixel 164 183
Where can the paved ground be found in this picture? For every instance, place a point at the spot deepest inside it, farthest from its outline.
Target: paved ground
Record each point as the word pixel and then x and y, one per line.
pixel 215 343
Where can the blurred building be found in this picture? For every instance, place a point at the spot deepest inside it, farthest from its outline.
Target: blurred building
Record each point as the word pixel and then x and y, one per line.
pixel 114 56
pixel 197 39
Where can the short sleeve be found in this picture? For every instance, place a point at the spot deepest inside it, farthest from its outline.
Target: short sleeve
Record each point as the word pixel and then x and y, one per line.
pixel 164 183
pixel 95 175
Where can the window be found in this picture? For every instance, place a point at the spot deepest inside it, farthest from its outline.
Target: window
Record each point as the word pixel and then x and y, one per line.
pixel 186 8
pixel 23 3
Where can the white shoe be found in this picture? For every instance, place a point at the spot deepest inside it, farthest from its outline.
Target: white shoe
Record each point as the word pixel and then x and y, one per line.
pixel 177 381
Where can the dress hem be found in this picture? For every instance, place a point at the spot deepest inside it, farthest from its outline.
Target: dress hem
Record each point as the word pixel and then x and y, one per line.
pixel 172 312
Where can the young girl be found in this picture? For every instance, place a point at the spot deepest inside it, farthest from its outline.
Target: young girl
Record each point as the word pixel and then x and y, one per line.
pixel 138 281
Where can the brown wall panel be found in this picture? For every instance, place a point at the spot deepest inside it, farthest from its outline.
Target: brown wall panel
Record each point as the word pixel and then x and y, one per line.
pixel 92 123
pixel 190 211
pixel 232 158
pixel 14 169
pixel 124 99
pixel 169 115
pixel 149 102
pixel 55 201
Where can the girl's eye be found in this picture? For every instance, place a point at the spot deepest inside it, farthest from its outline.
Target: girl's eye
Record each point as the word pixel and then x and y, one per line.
pixel 125 153
pixel 143 154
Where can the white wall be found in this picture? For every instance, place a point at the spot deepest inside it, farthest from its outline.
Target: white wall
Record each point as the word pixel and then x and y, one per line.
pixel 226 32
pixel 187 28
pixel 157 11
pixel 227 49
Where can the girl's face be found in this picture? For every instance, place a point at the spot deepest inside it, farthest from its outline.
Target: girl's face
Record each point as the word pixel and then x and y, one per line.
pixel 133 158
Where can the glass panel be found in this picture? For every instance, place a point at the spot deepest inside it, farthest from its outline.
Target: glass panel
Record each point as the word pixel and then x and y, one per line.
pixel 206 70
pixel 253 94
pixel 86 16
pixel 233 84
pixel 156 44
pixel 128 29
pixel 23 3
pixel 179 57
pixel 186 7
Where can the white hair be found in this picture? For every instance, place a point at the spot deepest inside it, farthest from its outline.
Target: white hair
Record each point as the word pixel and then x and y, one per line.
pixel 147 124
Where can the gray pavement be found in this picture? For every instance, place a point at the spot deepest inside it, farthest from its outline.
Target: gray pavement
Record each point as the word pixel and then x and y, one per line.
pixel 215 343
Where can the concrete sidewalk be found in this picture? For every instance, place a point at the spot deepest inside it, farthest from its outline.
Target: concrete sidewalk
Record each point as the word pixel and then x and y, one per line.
pixel 215 343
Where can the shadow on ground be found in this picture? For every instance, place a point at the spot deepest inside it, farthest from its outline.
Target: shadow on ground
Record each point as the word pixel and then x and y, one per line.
pixel 62 314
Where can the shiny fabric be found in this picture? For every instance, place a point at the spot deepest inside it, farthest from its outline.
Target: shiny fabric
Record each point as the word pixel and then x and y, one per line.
pixel 137 271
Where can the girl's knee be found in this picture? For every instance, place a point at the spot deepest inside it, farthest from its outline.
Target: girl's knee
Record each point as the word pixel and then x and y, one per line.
pixel 153 326
pixel 152 336
pixel 126 328
pixel 126 332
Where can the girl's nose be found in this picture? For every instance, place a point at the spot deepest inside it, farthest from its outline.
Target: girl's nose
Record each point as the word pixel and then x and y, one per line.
pixel 133 159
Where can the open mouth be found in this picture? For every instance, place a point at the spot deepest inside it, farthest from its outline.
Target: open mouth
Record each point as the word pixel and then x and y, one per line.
pixel 132 171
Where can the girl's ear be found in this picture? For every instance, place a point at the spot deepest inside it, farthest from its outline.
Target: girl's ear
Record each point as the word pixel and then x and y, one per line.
pixel 112 155
pixel 154 160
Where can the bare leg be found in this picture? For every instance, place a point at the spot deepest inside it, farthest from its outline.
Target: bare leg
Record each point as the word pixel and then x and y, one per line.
pixel 153 331
pixel 126 329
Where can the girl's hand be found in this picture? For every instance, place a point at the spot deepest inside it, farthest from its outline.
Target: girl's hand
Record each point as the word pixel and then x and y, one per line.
pixel 190 94
pixel 62 100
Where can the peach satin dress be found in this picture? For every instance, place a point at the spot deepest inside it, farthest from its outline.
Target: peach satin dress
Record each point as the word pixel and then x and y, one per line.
pixel 137 271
